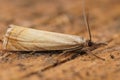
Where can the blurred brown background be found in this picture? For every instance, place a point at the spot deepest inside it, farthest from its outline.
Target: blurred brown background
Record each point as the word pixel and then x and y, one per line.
pixel 63 16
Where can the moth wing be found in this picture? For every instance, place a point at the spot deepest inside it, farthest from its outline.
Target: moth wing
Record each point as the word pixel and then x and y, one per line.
pixel 26 39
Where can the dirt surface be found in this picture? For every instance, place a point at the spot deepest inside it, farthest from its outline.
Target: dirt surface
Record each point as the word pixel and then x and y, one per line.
pixel 63 16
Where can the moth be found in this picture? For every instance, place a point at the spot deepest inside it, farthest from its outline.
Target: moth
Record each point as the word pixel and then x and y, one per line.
pixel 19 38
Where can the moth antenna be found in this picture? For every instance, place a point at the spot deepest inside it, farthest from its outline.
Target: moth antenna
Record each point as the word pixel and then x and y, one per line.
pixel 86 20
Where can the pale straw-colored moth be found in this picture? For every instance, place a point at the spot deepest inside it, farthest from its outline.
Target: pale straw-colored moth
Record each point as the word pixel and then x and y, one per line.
pixel 19 38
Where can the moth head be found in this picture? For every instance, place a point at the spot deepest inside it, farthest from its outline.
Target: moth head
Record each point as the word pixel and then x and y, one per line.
pixel 89 43
pixel 86 20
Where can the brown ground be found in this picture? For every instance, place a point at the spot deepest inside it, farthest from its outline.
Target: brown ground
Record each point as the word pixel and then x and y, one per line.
pixel 64 16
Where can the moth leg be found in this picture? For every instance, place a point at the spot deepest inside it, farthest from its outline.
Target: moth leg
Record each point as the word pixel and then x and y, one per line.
pixel 98 57
pixel 32 52
pixel 70 50
pixel 91 53
pixel 5 54
pixel 63 53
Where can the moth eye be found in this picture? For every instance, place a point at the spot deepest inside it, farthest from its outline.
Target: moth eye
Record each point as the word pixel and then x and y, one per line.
pixel 90 43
